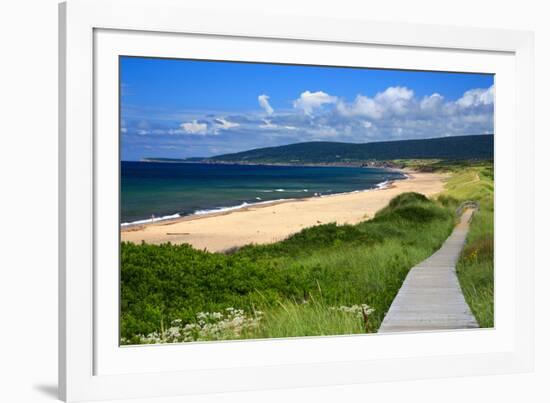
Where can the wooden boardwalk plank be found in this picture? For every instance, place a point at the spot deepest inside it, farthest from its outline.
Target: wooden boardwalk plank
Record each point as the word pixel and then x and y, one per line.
pixel 430 297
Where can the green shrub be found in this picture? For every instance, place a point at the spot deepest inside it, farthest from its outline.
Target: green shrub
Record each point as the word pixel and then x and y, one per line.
pixel 347 265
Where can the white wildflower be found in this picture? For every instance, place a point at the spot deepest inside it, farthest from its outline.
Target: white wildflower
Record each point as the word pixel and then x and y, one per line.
pixel 357 310
pixel 208 326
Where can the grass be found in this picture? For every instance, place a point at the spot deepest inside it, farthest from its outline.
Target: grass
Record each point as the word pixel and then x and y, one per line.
pixel 314 318
pixel 475 269
pixel 316 282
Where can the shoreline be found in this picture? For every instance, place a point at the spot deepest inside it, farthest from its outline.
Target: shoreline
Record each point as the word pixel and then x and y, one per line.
pixel 200 214
pixel 192 217
pixel 269 222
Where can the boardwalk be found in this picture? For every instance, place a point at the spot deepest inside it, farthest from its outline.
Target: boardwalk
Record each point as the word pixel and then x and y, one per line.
pixel 430 297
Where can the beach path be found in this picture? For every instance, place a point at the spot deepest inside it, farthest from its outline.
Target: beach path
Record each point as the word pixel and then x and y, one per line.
pixel 261 224
pixel 430 297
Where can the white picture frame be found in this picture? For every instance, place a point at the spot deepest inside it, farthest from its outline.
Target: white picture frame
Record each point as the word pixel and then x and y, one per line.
pixel 92 366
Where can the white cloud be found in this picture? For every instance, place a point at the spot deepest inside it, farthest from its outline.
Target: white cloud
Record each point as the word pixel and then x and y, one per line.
pixel 268 124
pixel 309 101
pixel 263 100
pixel 223 124
pixel 194 127
pixel 394 100
pixel 395 94
pixel 432 102
pixel 393 113
pixel 362 106
pixel 477 97
pixel 173 132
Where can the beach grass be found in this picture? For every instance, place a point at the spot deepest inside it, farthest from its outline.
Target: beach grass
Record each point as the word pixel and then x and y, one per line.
pixel 309 318
pixel 320 281
pixel 475 268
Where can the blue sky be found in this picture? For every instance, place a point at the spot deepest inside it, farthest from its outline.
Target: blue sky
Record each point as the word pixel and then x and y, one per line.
pixel 183 108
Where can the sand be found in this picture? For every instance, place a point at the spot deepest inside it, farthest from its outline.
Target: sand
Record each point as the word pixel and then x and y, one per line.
pixel 274 222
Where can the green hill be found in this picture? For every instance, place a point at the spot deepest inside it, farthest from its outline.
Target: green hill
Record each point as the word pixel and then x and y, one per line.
pixel 448 148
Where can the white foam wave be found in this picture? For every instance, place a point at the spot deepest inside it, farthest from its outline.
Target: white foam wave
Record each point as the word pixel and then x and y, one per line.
pixel 238 207
pixel 221 209
pixel 151 220
pixel 383 185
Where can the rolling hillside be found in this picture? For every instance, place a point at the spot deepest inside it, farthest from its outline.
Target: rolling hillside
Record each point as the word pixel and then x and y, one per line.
pixel 448 148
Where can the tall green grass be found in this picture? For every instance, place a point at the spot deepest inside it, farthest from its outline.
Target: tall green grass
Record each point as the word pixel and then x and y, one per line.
pixel 473 180
pixel 299 285
pixel 309 318
pixel 475 267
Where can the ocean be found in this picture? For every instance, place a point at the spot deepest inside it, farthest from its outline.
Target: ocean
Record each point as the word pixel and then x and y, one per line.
pixel 152 191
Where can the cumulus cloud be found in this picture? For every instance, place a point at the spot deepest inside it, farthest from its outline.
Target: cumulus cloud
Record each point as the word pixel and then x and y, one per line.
pixel 362 106
pixel 263 100
pixel 393 113
pixel 477 97
pixel 431 102
pixel 309 101
pixel 194 127
pixel 394 100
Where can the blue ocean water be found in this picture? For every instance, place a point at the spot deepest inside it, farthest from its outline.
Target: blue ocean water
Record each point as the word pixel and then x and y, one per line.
pixel 153 191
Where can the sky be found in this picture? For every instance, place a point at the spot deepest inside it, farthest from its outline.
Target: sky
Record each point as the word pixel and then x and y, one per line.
pixel 178 108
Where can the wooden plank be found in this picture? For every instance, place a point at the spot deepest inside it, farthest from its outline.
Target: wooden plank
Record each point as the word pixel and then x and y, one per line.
pixel 430 297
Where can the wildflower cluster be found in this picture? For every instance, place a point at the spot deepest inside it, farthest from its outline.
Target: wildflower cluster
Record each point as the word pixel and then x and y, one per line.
pixel 357 310
pixel 231 324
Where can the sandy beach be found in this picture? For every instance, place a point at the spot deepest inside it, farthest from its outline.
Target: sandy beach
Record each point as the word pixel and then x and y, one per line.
pixel 268 223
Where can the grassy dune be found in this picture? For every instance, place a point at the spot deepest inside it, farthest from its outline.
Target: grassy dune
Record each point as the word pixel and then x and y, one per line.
pixel 325 280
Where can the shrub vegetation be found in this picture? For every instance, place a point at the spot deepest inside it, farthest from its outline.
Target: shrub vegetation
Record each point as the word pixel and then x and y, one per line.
pixel 301 285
